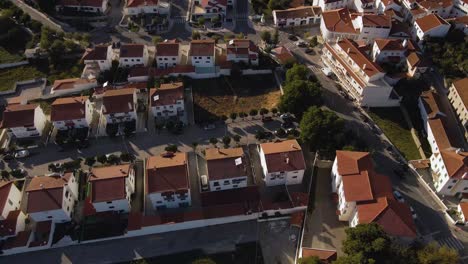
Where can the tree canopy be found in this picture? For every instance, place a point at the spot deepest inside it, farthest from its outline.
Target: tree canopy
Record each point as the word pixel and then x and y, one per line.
pixel 299 95
pixel 297 72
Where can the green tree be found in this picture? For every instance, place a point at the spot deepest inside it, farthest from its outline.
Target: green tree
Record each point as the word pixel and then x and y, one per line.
pixel 46 37
pixel 236 138
pixel 214 141
pixel 204 261
pixel 313 42
pixel 264 111
pixel 226 141
pixel 157 39
pixel 194 145
pixel 275 39
pixel 320 127
pixel 56 51
pixel 253 112
pixel 215 20
pixel 299 96
pixel 233 116
pixel 201 21
pixel 240 36
pixel 278 4
pixel 297 72
pixel 171 148
pixel 266 36
pixel 433 254
pixel 90 161
pixel 195 35
pixel 102 159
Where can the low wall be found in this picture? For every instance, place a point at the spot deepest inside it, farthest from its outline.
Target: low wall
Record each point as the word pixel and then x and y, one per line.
pixel 13 64
pixel 254 72
pixel 13 90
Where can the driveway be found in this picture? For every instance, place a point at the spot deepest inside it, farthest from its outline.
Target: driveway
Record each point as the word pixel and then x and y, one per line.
pixel 322 228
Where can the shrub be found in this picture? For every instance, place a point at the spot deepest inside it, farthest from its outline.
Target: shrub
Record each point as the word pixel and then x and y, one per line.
pixel 171 148
pixel 253 112
pixel 233 116
pixel 226 140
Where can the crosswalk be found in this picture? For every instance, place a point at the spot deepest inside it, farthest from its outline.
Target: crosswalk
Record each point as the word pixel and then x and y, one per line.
pixel 451 242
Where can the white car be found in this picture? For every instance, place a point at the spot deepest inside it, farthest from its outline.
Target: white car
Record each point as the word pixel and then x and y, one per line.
pixel 398 196
pixel 21 154
pixel 413 213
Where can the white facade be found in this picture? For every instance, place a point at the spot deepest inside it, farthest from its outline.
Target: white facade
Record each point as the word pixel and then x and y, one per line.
pixel 368 32
pixel 273 178
pixel 175 201
pixel 330 5
pixel 203 61
pixel 371 91
pixel 127 62
pixel 164 62
pixel 348 210
pixel 13 201
pixel 383 55
pixel 33 131
pixel 328 35
pixel 437 32
pixel 229 183
pixel 120 205
pixel 460 8
pixel 382 6
pixel 290 21
pixel 444 184
pixel 77 123
pixel 103 64
pixel 162 8
pixel 86 8
pixel 120 117
pixel 458 104
pixel 170 110
pixel 70 195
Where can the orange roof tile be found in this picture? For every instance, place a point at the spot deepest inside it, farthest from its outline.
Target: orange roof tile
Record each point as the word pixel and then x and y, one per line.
pixel 430 21
pixel 338 20
pixel 167 173
pixel 461 86
pixel 456 163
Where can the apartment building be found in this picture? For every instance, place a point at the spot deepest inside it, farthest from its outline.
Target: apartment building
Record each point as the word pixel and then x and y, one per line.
pixel 389 50
pixel 202 53
pixel 431 25
pixel 71 112
pixel 168 54
pixel 362 78
pixel 118 108
pixel 167 101
pixel 24 120
pixel 133 55
pixel 458 97
pixel 227 168
pixel 298 16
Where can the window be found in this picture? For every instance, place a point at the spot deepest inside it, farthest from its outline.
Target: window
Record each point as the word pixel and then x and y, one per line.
pixel 235 186
pixel 109 202
pixel 66 194
pixel 68 208
pixel 111 207
pixel 10 202
pixel 294 177
pixel 158 202
pixel 449 187
pixel 218 188
pixel 216 184
pixel 173 59
pixel 125 59
pixel 49 217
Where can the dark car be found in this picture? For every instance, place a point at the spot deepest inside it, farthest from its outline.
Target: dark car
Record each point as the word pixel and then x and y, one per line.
pixel 268 135
pixel 287 124
pixel 309 51
pixel 292 37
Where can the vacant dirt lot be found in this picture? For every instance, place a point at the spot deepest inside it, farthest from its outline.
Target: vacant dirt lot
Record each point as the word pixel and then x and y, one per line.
pixel 225 95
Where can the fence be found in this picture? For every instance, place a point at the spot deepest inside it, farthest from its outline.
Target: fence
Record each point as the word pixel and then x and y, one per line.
pixel 13 64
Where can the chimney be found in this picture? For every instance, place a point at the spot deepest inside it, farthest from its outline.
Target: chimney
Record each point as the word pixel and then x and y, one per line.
pixel 364 66
pixel 41 185
pixel 287 160
pixel 348 50
pixel 458 151
pixel 405 43
pixel 293 146
pixel 122 171
pixel 130 106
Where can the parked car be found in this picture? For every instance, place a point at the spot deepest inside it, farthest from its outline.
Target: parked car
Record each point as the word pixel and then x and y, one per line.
pixel 268 135
pixel 398 196
pixel 287 124
pixel 21 154
pixel 301 44
pixel 292 131
pixel 413 213
pixel 209 127
pixel 8 157
pixel 292 37
pixel 286 116
pixel 267 119
pixel 280 132
pixel 309 51
pixel 204 182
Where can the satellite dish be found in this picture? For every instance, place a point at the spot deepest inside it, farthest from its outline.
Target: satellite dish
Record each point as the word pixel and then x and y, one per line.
pixel 238 161
pixel 156 97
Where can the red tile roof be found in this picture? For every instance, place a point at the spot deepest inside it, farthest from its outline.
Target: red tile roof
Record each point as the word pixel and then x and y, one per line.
pixel 430 21
pixel 373 20
pixel 137 3
pixel 298 12
pixel 456 163
pixel 118 101
pixel 338 20
pixel 241 46
pixel 389 44
pixel 323 254
pixel 167 173
pixel 45 193
pixel 283 54
pixel 169 93
pixel 108 183
pixel 20 240
pixel 167 49
pixel 18 115
pixel 8 226
pixel 202 48
pixel 68 108
pixel 98 53
pixel 464 209
pixel 221 163
pixel 461 86
pixel 283 156
pixel 397 220
pixel 360 58
pixel 132 51
pixel 66 84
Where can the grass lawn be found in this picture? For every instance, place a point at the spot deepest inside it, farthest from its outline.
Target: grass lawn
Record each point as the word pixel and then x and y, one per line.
pixel 222 96
pixel 8 77
pixel 7 57
pixel 244 254
pixel 393 124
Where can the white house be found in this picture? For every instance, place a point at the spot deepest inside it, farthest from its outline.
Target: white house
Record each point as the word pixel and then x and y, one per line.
pixel 209 9
pixel 91 6
pixel 52 197
pixel 136 7
pixel 431 25
pixel 227 168
pixel 298 16
pixel 242 50
pixel 458 97
pixel 133 55
pixel 72 86
pixel 460 23
pixel 168 54
pixel 416 63
pixel 167 100
pixel 101 56
pixel 389 50
pixel 71 112
pixel 372 26
pixel 10 198
pixel 363 6
pixel 119 107
pixel 337 24
pixel 460 8
pixel 448 163
pixel 167 181
pixel 282 162
pixel 202 53
pixel 463 211
pixel 362 78
pixel 364 196
pixel 112 187
pixel 384 5
pixel 24 120
pixel 332 4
